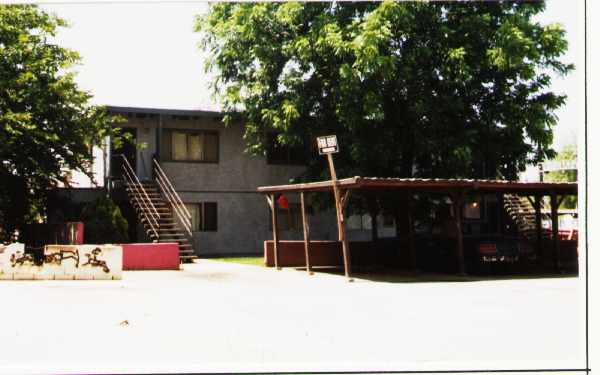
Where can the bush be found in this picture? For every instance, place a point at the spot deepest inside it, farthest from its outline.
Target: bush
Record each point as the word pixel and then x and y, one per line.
pixel 104 222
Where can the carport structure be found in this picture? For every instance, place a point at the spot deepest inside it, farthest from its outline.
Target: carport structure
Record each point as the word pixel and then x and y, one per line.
pixel 454 189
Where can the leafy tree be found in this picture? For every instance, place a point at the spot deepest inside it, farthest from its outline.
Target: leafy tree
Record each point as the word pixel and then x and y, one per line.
pixel 46 124
pixel 412 89
pixel 104 222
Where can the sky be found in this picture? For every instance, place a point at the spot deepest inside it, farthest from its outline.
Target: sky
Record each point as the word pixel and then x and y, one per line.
pixel 146 54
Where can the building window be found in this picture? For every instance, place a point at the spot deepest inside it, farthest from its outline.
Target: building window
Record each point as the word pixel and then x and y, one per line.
pixel 388 221
pixel 288 218
pixel 359 222
pixel 204 216
pixel 283 154
pixel 187 145
pixel 364 222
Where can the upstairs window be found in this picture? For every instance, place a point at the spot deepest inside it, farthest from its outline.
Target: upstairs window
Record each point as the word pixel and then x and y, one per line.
pixel 188 145
pixel 283 154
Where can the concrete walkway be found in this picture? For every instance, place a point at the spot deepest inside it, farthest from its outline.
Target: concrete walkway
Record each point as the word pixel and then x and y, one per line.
pixel 216 316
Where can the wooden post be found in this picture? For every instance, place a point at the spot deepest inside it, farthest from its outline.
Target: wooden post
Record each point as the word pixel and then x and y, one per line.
pixel 340 218
pixel 336 194
pixel 273 205
pixel 373 211
pixel 345 247
pixel 411 233
pixel 501 210
pixel 555 242
pixel 538 228
pixel 306 229
pixel 457 200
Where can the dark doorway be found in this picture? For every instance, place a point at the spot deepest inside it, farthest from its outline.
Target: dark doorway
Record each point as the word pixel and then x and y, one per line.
pixel 128 149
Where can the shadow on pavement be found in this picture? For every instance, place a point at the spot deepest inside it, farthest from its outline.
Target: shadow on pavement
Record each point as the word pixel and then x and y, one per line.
pixel 405 276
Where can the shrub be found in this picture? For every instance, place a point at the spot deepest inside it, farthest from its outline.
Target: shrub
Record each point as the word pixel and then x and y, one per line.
pixel 104 222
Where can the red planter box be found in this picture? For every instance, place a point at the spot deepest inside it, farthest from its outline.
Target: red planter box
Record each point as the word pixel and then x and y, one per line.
pixel 291 253
pixel 151 256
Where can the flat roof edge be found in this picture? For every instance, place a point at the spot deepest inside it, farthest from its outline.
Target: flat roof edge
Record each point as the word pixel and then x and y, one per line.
pixel 165 111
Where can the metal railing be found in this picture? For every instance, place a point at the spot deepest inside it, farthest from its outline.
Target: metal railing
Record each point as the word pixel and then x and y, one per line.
pixel 143 201
pixel 168 191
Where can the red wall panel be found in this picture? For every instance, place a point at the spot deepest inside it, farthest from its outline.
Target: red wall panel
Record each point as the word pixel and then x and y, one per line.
pixel 151 256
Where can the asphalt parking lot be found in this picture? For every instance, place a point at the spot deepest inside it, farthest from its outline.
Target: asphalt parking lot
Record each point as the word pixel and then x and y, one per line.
pixel 216 316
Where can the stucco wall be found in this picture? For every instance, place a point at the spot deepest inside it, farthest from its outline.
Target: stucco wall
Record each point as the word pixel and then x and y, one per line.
pixel 235 170
pixel 243 215
pixel 145 135
pixel 243 221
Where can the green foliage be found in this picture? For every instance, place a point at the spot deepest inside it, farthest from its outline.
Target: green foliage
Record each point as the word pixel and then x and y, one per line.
pixel 46 124
pixel 570 175
pixel 412 89
pixel 255 261
pixel 568 153
pixel 104 223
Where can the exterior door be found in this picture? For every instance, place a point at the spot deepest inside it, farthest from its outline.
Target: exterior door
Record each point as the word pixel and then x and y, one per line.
pixel 127 149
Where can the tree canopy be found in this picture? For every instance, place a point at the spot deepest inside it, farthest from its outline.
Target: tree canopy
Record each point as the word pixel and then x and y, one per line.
pixel 411 89
pixel 47 125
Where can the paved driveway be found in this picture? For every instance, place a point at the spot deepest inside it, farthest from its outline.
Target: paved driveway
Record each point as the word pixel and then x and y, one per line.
pixel 216 316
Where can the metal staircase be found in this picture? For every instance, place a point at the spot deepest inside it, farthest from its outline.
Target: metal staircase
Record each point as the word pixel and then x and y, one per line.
pixel 522 214
pixel 160 209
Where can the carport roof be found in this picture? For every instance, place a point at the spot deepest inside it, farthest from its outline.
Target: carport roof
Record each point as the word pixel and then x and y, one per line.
pixel 430 185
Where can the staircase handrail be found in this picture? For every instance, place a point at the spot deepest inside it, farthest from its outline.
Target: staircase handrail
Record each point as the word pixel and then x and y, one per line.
pixel 517 217
pixel 186 222
pixel 136 197
pixel 141 196
pixel 173 197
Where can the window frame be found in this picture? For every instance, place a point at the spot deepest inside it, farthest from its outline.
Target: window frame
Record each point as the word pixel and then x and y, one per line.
pixel 168 157
pixel 202 209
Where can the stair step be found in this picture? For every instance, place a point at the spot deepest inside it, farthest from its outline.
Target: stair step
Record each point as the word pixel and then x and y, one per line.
pixel 152 203
pixel 167 236
pixel 149 193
